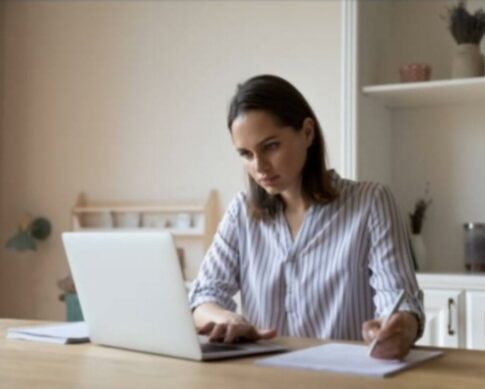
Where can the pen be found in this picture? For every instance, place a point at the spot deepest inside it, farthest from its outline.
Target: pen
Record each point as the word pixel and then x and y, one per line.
pixel 393 310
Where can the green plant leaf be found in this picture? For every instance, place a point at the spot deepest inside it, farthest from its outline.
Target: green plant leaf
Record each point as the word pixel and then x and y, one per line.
pixel 22 241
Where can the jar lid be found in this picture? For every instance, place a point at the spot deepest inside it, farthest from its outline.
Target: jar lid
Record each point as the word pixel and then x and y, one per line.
pixel 471 226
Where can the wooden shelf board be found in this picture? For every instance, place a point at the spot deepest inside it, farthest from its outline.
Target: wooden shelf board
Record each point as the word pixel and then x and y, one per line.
pixel 138 208
pixel 194 232
pixel 429 93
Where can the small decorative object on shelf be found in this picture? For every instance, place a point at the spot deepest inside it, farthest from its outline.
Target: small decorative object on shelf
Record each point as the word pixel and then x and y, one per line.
pixel 415 72
pixel 29 231
pixel 467 30
pixel 417 219
pixel 154 220
pixel 183 221
pixel 474 247
pixel 126 219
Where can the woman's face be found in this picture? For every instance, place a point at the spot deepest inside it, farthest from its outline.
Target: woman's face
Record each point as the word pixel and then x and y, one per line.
pixel 272 155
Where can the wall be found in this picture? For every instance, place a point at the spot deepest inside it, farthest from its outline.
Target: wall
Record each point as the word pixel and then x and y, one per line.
pixel 374 143
pixel 442 146
pixel 2 8
pixel 2 34
pixel 127 100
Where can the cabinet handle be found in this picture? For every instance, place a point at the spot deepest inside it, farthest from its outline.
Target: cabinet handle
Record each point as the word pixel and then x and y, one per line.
pixel 451 303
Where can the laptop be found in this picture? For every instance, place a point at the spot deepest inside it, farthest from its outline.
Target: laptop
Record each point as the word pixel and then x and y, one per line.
pixel 133 296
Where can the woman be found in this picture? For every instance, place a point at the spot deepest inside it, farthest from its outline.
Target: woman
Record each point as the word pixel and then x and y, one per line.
pixel 312 254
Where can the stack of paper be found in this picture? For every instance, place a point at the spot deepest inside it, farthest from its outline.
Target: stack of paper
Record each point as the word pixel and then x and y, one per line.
pixel 347 359
pixel 62 333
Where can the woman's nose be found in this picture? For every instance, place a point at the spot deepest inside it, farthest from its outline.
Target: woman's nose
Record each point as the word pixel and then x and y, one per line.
pixel 261 164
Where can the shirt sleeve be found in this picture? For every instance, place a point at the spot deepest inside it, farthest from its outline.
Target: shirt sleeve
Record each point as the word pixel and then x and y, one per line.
pixel 218 278
pixel 390 259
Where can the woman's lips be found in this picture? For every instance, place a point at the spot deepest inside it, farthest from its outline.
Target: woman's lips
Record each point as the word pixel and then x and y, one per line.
pixel 269 181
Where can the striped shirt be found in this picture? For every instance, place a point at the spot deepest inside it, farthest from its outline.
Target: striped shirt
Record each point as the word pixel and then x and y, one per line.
pixel 347 264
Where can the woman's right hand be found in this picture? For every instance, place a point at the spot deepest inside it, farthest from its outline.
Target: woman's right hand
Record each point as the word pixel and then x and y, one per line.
pixel 235 330
pixel 221 325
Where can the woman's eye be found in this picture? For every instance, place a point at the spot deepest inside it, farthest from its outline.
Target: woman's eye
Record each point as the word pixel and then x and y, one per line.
pixel 244 154
pixel 271 146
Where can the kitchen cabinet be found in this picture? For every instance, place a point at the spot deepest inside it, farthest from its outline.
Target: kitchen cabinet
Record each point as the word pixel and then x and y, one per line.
pixel 455 310
pixel 444 325
pixel 475 319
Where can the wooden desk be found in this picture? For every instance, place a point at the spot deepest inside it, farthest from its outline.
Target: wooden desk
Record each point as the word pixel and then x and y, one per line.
pixel 36 365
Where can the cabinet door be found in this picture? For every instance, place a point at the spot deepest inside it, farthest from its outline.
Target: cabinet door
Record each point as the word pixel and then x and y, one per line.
pixel 475 319
pixel 444 318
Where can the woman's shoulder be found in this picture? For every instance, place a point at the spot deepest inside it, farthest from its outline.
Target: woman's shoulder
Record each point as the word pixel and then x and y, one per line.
pixel 238 205
pixel 347 187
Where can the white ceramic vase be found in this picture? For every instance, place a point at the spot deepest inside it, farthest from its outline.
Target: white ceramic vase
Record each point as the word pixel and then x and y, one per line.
pixel 419 250
pixel 126 219
pixel 467 61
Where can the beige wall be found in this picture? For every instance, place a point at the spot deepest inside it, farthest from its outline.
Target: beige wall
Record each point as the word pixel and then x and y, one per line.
pixel 127 100
pixel 445 147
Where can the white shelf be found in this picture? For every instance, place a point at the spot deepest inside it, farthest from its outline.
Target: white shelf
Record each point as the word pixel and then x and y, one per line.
pixel 429 93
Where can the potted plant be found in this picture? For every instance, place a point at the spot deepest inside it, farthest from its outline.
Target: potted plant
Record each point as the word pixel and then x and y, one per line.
pixel 28 232
pixel 467 29
pixel 417 218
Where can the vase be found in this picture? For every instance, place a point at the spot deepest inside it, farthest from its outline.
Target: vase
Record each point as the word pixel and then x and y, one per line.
pixel 419 250
pixel 467 61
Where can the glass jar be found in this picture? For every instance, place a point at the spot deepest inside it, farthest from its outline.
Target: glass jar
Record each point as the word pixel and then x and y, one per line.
pixel 474 246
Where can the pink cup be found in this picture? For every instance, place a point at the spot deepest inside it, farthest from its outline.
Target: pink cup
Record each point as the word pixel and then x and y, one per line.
pixel 415 72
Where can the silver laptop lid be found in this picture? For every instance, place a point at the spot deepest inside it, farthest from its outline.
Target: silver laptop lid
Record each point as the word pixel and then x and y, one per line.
pixel 131 291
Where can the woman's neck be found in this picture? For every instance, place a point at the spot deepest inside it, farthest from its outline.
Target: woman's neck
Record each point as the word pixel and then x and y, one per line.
pixel 294 201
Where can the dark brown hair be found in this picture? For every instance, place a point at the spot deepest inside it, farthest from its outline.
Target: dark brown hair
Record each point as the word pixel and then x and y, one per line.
pixel 278 97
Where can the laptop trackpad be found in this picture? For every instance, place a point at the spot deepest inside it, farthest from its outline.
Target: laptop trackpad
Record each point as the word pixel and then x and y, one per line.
pixel 218 347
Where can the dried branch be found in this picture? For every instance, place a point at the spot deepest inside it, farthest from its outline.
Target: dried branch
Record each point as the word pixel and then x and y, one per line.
pixel 465 27
pixel 417 216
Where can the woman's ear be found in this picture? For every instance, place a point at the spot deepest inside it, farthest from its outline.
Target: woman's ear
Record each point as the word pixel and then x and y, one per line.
pixel 308 129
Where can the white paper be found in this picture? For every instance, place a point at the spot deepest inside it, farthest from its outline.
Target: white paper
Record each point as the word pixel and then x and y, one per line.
pixel 76 332
pixel 346 359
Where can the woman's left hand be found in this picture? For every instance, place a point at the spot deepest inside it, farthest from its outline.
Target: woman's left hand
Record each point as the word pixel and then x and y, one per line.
pixel 395 339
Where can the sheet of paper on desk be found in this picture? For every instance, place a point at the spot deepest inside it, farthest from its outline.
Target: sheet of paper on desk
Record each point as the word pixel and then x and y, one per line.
pixel 346 359
pixel 76 332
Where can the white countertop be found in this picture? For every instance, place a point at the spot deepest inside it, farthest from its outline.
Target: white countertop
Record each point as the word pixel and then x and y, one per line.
pixel 475 281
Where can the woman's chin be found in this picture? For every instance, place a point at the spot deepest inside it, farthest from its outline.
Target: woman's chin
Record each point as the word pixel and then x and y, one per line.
pixel 272 190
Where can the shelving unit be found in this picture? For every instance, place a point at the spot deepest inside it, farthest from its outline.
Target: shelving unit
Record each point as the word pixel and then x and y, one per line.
pixel 192 224
pixel 176 232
